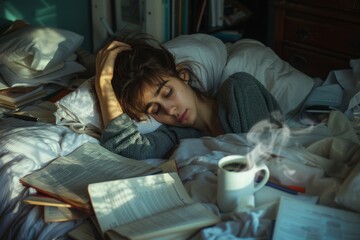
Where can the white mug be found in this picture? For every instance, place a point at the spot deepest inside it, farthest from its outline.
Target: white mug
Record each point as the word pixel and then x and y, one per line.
pixel 236 180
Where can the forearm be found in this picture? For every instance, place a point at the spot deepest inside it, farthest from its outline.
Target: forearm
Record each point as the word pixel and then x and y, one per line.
pixel 109 105
pixel 105 59
pixel 122 137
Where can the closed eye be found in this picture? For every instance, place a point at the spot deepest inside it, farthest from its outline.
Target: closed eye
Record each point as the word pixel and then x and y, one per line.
pixel 162 90
pixel 154 109
pixel 169 92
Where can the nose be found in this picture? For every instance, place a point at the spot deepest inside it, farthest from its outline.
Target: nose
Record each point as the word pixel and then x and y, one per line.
pixel 171 109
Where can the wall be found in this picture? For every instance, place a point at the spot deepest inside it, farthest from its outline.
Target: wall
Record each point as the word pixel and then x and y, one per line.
pixel 73 15
pixel 260 25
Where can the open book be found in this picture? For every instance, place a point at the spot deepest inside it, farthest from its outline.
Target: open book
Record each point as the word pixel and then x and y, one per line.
pixel 148 207
pixel 301 220
pixel 62 214
pixel 67 178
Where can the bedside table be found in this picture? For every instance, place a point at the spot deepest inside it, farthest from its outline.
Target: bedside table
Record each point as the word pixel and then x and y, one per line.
pixel 317 36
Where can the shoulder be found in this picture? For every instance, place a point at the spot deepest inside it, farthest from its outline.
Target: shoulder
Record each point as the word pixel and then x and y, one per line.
pixel 240 80
pixel 242 87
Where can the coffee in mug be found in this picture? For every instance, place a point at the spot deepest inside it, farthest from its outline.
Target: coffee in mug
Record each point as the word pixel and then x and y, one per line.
pixel 237 180
pixel 235 167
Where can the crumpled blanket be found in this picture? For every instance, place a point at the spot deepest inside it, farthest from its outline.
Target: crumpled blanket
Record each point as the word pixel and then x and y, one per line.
pixel 25 147
pixel 324 159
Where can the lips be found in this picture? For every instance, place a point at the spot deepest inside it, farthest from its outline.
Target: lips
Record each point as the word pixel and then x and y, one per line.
pixel 182 117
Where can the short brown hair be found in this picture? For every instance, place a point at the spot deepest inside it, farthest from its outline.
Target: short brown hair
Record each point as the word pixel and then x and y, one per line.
pixel 145 65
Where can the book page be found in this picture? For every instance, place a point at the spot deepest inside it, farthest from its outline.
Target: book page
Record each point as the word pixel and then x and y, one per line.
pixel 67 178
pixel 86 230
pixel 123 201
pixel 180 221
pixel 169 166
pixel 62 214
pixel 43 200
pixel 300 220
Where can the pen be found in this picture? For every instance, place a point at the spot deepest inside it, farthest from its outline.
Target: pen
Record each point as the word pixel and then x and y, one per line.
pixel 288 189
pixel 23 117
pixel 296 188
pixel 281 188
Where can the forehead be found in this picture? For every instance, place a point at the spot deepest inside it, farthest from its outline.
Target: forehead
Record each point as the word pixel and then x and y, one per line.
pixel 152 90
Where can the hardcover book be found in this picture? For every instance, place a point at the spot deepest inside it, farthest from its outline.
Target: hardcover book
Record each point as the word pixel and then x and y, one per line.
pixel 15 97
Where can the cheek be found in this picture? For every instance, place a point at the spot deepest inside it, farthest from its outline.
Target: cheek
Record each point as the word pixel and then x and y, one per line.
pixel 159 117
pixel 188 99
pixel 165 119
pixel 185 96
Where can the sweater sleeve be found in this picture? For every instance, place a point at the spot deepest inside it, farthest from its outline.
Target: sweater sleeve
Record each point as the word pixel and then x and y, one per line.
pixel 122 137
pixel 243 101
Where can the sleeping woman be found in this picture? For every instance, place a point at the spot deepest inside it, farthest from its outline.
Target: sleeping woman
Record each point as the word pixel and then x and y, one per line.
pixel 136 77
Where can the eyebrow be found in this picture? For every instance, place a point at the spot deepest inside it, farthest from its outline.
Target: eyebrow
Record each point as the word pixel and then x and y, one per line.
pixel 157 92
pixel 161 85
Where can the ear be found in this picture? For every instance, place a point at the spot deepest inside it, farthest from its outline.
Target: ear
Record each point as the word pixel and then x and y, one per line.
pixel 184 74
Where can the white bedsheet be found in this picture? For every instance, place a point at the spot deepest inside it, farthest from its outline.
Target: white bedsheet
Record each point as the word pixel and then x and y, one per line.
pixel 25 147
pixel 319 159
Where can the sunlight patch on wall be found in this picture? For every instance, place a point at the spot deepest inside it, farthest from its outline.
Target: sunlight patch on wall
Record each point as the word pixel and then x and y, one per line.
pixel 46 15
pixel 43 15
pixel 11 13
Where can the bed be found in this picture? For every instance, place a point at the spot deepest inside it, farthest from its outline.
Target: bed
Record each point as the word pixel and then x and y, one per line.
pixel 323 158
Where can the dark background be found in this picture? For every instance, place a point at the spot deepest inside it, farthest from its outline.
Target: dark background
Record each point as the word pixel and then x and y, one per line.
pixel 76 16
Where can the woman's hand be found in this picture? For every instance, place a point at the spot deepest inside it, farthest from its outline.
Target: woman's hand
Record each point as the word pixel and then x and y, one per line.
pixel 105 60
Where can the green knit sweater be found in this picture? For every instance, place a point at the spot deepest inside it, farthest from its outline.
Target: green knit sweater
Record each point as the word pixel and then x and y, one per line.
pixel 242 102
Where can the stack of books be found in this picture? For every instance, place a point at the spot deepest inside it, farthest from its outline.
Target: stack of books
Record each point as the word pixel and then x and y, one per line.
pixel 17 97
pixel 121 197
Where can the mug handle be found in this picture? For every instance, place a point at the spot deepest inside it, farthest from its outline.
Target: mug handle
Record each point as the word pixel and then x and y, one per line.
pixel 264 179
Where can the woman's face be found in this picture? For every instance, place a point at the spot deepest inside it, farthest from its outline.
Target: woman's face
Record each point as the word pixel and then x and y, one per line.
pixel 172 102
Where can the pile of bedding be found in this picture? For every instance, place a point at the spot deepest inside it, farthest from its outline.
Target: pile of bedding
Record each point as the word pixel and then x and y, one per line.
pixel 323 159
pixel 24 148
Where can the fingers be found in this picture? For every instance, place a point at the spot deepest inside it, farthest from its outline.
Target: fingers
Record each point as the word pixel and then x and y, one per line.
pixel 116 44
pixel 106 57
pixel 116 47
pixel 112 49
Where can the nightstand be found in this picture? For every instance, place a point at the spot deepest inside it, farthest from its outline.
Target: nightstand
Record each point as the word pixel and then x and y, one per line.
pixel 317 36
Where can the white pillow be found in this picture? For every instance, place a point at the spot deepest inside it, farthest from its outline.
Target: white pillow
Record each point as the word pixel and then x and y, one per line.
pixel 209 51
pixel 81 107
pixel 38 47
pixel 289 86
